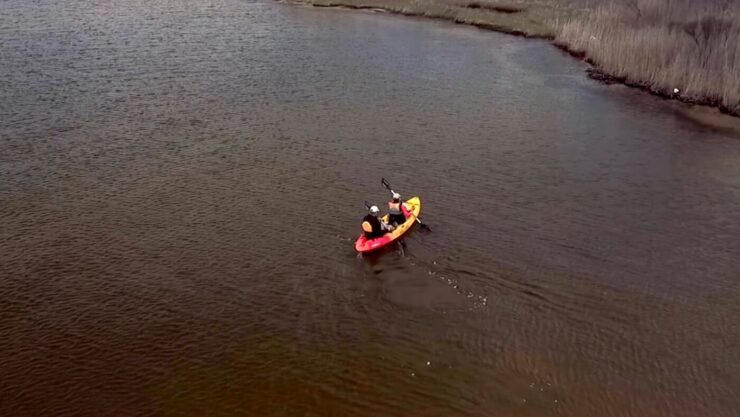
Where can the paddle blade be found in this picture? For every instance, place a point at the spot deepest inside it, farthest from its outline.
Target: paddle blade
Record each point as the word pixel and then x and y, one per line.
pixel 385 183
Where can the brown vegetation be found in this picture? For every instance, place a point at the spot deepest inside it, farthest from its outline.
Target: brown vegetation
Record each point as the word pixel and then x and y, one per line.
pixel 501 8
pixel 684 49
pixel 507 17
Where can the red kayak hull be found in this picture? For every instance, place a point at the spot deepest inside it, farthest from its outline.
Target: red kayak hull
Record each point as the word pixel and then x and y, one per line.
pixel 363 244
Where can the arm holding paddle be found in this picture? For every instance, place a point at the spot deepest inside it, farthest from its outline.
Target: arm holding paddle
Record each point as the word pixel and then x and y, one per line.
pixel 387 185
pixel 376 213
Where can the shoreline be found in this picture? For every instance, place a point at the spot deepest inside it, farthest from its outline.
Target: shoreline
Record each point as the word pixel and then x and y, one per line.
pixel 594 71
pixel 480 25
pixel 598 74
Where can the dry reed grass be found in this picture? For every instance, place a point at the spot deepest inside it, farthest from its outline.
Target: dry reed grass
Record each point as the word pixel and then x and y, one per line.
pixel 503 16
pixel 660 45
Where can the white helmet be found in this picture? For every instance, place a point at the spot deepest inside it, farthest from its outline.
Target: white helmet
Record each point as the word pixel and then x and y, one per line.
pixel 396 196
pixel 374 210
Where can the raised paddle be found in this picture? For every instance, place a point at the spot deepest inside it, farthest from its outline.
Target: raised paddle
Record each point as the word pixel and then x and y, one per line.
pixel 387 185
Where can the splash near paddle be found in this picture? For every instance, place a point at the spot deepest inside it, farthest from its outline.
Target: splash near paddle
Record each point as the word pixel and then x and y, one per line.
pixel 411 209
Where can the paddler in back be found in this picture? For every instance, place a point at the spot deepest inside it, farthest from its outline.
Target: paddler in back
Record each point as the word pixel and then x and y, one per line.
pixel 373 226
pixel 395 210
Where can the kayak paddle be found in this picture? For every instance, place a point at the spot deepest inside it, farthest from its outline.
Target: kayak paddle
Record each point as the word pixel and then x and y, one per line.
pixel 387 185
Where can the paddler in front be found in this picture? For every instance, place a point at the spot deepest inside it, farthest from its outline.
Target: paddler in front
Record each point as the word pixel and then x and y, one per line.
pixel 373 226
pixel 395 210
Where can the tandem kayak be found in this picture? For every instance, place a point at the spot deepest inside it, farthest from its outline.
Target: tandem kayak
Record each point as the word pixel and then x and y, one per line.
pixel 363 244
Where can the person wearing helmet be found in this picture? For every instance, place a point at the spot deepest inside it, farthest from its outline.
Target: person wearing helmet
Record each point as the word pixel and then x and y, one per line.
pixel 373 226
pixel 395 210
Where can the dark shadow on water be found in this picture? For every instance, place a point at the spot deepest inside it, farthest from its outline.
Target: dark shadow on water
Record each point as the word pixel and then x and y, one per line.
pixel 374 258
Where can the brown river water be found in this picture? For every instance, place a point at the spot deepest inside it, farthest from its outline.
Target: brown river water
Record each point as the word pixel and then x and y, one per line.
pixel 181 183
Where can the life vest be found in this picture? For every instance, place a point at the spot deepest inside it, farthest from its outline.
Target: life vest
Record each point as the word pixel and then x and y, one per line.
pixel 371 227
pixel 394 209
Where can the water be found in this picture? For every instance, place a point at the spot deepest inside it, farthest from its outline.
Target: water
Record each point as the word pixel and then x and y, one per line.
pixel 181 184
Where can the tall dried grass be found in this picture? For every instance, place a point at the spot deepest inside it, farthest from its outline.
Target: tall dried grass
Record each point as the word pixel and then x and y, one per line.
pixel 662 45
pixel 689 45
pixel 509 16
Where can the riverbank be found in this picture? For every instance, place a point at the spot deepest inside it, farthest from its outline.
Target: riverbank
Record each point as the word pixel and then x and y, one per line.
pixel 681 49
pixel 535 20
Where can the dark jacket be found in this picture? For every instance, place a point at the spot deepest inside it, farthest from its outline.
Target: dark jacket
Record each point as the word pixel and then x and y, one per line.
pixel 377 228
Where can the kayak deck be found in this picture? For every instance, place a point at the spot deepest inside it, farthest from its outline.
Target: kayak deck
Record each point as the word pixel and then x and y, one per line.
pixel 411 209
